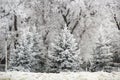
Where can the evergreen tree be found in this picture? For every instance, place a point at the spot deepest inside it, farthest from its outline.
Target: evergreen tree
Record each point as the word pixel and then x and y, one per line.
pixel 116 53
pixel 63 54
pixel 39 52
pixel 102 57
pixel 21 59
pixel 29 54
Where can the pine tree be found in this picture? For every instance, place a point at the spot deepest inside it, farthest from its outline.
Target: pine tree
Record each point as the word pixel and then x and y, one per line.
pixel 21 59
pixel 63 54
pixel 39 52
pixel 102 56
pixel 29 54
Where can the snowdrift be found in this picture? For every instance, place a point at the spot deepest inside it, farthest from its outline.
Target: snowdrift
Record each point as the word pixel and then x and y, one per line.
pixel 60 76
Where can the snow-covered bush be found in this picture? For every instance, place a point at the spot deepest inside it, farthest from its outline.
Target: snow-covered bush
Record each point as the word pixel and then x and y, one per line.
pixel 86 65
pixel 64 53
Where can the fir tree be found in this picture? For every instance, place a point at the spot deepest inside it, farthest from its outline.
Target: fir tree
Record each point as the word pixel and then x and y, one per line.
pixel 29 54
pixel 102 56
pixel 39 52
pixel 21 59
pixel 63 54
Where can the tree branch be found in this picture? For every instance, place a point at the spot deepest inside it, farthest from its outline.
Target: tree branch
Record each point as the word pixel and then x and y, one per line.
pixel 65 17
pixel 117 22
pixel 77 22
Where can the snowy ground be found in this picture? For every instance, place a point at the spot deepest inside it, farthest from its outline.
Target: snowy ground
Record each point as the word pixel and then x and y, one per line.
pixel 59 76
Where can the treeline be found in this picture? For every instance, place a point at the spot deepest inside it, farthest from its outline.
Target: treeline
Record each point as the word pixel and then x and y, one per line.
pixel 62 55
pixel 31 33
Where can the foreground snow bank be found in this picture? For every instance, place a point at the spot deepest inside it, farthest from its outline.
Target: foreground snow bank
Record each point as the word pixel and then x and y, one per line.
pixel 59 76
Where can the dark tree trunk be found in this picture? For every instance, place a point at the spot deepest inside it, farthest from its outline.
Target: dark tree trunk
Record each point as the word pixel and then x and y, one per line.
pixel 16 29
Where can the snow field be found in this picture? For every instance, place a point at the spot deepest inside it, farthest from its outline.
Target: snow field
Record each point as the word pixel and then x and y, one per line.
pixel 60 76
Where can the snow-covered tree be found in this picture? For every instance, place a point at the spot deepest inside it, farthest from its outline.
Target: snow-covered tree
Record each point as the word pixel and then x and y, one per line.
pixel 39 51
pixel 21 59
pixel 102 57
pixel 29 54
pixel 64 53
